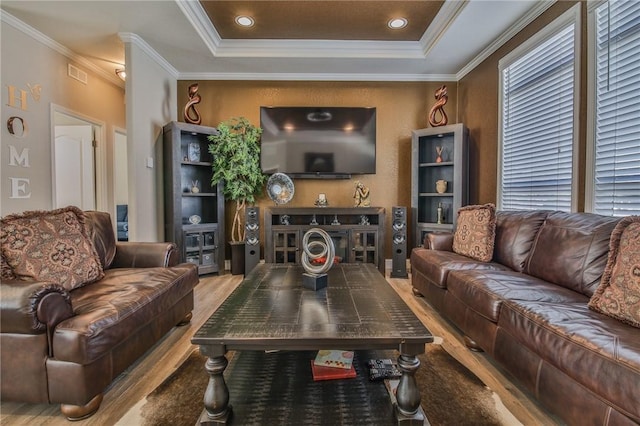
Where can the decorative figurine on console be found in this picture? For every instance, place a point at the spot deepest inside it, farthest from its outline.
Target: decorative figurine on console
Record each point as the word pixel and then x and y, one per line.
pixel 322 201
pixel 361 195
pixel 190 107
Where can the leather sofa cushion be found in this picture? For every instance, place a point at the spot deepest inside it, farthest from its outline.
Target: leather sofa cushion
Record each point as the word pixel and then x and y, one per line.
pixel 484 292
pixel 109 311
pixel 515 233
pixel 100 230
pixel 571 250
pixel 436 264
pixel 597 351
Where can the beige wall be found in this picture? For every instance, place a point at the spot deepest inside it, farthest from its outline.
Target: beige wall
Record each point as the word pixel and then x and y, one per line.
pixel 27 62
pixel 401 108
pixel 151 94
pixel 478 108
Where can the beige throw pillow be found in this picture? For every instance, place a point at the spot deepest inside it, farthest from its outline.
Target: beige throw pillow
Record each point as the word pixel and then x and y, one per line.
pixel 475 232
pixel 618 294
pixel 50 246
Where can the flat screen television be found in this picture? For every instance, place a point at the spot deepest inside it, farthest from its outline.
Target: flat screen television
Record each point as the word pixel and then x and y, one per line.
pixel 318 142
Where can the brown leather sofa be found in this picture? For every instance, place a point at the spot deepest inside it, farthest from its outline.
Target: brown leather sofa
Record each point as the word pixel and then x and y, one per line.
pixel 527 309
pixel 59 346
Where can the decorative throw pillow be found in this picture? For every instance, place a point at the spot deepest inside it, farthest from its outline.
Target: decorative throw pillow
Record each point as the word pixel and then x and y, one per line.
pixel 475 232
pixel 50 246
pixel 618 294
pixel 6 272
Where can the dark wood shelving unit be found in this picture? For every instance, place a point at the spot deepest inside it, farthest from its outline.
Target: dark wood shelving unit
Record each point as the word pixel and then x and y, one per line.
pixel 185 150
pixel 426 171
pixel 357 232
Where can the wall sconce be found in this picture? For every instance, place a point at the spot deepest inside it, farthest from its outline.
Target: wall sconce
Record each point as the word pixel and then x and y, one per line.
pixel 122 73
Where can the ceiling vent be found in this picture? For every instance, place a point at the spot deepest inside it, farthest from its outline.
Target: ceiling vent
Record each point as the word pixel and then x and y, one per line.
pixel 78 74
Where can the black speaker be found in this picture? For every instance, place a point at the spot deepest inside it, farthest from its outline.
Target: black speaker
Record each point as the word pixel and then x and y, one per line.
pixel 251 238
pixel 399 242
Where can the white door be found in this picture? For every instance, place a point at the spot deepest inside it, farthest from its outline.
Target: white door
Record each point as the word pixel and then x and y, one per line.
pixel 74 174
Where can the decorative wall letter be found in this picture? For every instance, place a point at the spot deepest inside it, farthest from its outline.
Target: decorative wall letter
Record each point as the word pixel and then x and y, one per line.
pixel 20 188
pixel 17 127
pixel 16 159
pixel 13 98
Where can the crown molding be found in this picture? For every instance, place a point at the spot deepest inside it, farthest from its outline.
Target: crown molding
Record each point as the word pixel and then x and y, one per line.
pixel 445 17
pixel 316 77
pixel 199 20
pixel 352 49
pixel 529 17
pixel 9 19
pixel 150 51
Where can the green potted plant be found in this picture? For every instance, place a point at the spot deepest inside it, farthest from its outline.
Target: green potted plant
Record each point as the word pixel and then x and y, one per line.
pixel 236 163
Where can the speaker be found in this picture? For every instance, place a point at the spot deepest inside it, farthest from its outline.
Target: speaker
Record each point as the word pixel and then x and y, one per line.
pixel 251 238
pixel 399 242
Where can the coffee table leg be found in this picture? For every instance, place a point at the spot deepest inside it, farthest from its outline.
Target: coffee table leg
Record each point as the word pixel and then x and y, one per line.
pixel 408 410
pixel 217 410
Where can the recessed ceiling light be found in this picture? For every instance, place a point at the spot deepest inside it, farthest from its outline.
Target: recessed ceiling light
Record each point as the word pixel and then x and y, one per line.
pixel 244 21
pixel 397 23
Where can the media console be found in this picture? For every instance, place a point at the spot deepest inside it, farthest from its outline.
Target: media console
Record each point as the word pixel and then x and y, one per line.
pixel 357 233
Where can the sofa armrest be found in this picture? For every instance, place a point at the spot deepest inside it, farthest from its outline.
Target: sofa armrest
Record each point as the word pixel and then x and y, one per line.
pixel 145 255
pixel 33 307
pixel 439 241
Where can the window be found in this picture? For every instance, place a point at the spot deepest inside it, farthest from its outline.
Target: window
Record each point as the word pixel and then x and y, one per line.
pixel 614 161
pixel 537 94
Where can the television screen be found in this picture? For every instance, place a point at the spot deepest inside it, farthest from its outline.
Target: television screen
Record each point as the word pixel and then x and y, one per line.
pixel 322 142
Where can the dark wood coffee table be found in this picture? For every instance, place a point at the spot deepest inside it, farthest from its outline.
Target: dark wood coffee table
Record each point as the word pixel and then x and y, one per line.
pixel 270 310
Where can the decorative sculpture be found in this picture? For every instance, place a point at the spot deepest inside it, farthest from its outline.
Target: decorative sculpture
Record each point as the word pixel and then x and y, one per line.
pixel 321 201
pixel 439 150
pixel 361 195
pixel 190 108
pixel 440 214
pixel 438 107
pixel 315 277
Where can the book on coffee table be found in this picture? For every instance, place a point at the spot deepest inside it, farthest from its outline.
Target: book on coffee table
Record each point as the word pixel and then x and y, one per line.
pixel 330 373
pixel 334 359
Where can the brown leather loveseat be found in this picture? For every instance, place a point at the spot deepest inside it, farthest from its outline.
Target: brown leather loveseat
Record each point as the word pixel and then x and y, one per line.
pixel 528 309
pixel 66 346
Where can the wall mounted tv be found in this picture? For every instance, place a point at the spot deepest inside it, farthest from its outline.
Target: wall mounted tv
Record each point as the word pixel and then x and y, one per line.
pixel 318 142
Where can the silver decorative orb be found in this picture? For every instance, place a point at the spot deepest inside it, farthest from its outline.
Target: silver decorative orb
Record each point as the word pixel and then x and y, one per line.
pixel 310 251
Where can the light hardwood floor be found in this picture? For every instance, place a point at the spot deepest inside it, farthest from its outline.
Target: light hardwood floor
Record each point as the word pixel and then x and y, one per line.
pixel 168 354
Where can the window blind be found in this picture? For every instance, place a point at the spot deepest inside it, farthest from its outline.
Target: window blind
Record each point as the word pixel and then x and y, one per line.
pixel 537 126
pixel 616 187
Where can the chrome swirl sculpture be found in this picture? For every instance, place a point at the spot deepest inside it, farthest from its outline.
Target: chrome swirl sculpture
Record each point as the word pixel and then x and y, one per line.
pixel 328 251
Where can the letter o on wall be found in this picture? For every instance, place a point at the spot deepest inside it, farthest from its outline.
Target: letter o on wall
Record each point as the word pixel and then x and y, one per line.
pixel 17 127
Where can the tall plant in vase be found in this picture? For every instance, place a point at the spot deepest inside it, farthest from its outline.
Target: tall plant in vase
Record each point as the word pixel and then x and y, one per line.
pixel 236 163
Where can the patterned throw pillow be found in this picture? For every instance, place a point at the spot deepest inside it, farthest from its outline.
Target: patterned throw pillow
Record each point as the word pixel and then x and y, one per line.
pixel 50 246
pixel 475 232
pixel 618 294
pixel 6 272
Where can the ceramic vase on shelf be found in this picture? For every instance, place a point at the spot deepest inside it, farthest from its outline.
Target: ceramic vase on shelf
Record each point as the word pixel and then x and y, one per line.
pixel 441 186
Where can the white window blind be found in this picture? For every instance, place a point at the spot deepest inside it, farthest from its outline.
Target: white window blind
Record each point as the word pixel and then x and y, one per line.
pixel 616 186
pixel 538 90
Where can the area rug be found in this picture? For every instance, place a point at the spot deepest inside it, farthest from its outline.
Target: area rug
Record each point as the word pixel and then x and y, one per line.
pixel 277 389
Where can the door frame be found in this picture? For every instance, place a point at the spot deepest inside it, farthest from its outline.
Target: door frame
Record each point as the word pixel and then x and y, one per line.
pixel 100 154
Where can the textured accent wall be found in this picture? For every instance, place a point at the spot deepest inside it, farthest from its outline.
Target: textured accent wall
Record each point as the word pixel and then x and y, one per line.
pixel 401 107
